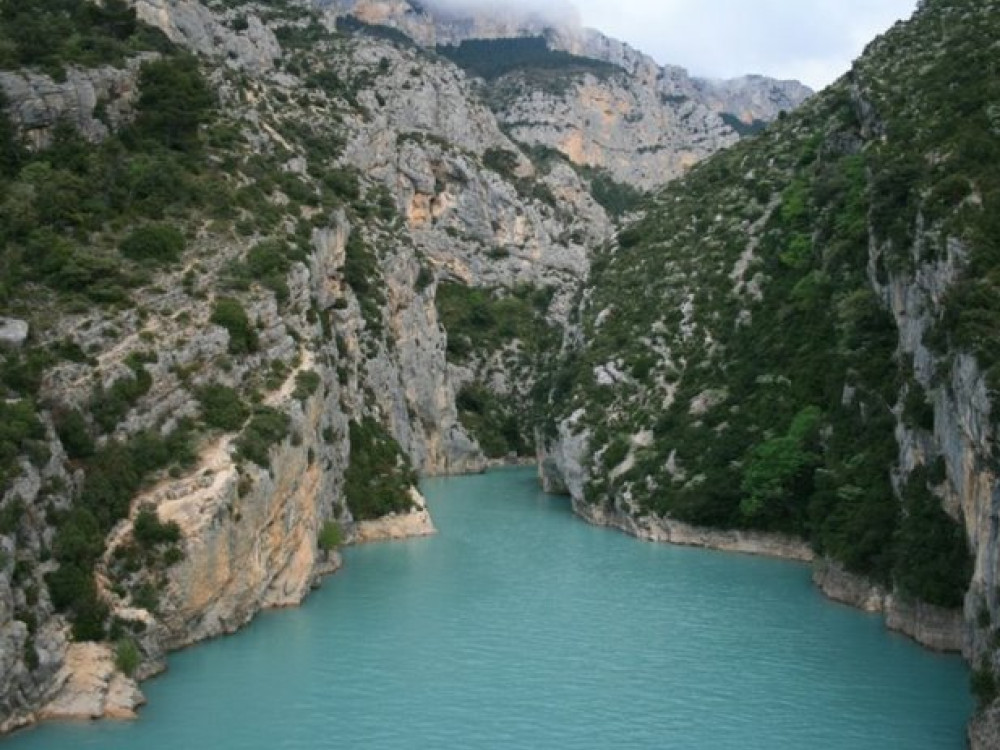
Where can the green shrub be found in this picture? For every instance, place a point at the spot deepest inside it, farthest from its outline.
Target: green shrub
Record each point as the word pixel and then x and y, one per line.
pixel 11 515
pixel 501 161
pixel 483 320
pixel 343 182
pixel 362 274
pixel 266 263
pixel 155 243
pixel 145 596
pixel 493 58
pixel 74 433
pixel 984 686
pixel 330 536
pixel 307 382
pixel 379 476
pixel 12 152
pixel 110 406
pixel 495 423
pixel 175 100
pixel 112 477
pixel 267 427
pixel 229 314
pixel 52 35
pixel 933 562
pixel 127 657
pixel 18 426
pixel 221 407
pixel 149 531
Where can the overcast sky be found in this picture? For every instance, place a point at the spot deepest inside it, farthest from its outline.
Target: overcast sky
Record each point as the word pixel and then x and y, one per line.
pixel 811 40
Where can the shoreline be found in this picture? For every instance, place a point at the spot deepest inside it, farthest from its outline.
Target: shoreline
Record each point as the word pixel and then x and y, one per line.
pixel 932 627
pixel 118 697
pixel 91 688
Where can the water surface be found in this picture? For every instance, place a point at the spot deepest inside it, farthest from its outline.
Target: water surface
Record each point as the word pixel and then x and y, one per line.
pixel 519 626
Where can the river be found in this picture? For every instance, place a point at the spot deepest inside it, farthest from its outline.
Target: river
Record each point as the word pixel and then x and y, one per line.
pixel 519 626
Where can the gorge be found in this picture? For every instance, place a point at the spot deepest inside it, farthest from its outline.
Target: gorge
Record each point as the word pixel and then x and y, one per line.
pixel 266 263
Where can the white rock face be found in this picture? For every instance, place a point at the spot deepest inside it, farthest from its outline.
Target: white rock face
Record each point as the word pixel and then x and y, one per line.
pixel 37 102
pixel 645 125
pixel 13 332
pixel 92 687
pixel 191 24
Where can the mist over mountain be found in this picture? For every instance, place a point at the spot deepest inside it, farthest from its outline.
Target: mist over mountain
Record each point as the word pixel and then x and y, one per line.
pixel 558 13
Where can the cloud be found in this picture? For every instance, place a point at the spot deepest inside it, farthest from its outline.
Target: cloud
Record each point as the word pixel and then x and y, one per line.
pixel 553 12
pixel 813 41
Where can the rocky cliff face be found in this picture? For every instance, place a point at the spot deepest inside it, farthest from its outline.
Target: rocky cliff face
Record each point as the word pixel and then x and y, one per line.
pixel 374 158
pixel 645 124
pixel 94 102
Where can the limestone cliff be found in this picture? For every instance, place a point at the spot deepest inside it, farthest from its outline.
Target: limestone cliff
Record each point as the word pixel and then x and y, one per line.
pixel 347 178
pixel 644 123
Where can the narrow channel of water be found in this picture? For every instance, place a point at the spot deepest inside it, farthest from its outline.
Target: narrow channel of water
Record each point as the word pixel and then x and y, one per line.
pixel 519 626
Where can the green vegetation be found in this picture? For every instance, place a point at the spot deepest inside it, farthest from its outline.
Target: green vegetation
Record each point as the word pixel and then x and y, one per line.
pixel 307 382
pixel 933 563
pixel 615 197
pixel 156 243
pixel 114 474
pixel 267 263
pixel 738 324
pixel 18 425
pixel 127 657
pixel 483 320
pixel 267 427
pixel 222 408
pixel 493 58
pixel 379 476
pixel 59 207
pixel 778 472
pixel 330 536
pixel 50 34
pixel 74 434
pixel 983 683
pixel 229 313
pixel 499 429
pixel 362 274
pixel 174 101
pixel 505 163
pixel 149 531
pixel 743 129
pixel 109 407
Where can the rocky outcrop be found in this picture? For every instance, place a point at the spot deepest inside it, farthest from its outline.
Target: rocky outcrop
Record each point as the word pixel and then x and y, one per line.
pixel 651 528
pixel 397 525
pixel 934 627
pixel 94 101
pixel 188 22
pixel 92 687
pixel 13 332
pixel 752 99
pixel 984 729
pixel 250 536
pixel 641 135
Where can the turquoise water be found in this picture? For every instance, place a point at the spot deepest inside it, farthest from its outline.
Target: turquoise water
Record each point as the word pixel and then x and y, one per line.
pixel 519 626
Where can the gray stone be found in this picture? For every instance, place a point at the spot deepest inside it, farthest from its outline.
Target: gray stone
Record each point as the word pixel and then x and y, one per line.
pixel 37 103
pixel 13 332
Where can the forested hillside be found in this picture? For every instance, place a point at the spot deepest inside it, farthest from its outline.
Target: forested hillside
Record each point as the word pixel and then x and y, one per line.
pixel 801 335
